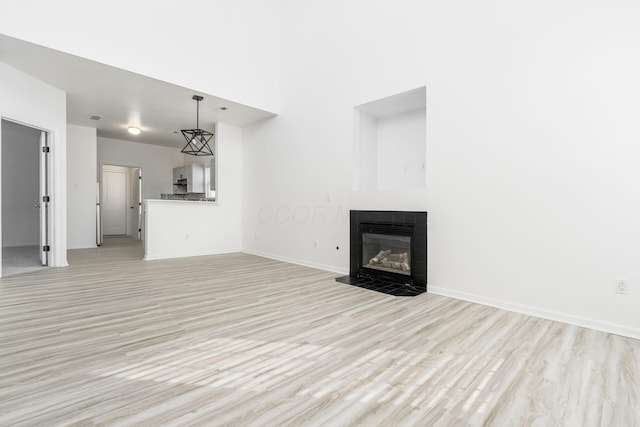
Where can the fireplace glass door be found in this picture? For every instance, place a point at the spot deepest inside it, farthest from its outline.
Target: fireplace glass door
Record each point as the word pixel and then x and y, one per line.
pixel 387 252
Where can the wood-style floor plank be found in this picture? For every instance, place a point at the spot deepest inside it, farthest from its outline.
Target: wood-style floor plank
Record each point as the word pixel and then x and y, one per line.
pixel 242 340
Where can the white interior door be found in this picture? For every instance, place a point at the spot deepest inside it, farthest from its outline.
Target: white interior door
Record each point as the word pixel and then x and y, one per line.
pixel 114 202
pixel 43 202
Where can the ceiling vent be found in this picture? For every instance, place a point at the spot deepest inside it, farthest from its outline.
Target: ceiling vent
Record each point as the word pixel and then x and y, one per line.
pixel 95 117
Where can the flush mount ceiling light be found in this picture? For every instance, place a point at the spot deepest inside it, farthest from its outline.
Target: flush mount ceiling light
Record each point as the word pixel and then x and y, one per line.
pixel 197 139
pixel 133 130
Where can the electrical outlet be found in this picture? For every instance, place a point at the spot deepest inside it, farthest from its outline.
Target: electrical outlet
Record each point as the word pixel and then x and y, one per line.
pixel 315 244
pixel 621 286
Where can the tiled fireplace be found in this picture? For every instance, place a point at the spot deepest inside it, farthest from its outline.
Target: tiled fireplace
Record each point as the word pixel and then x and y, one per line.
pixel 388 252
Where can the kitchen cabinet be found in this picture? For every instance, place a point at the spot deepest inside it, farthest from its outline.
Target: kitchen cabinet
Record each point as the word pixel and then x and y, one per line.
pixel 188 179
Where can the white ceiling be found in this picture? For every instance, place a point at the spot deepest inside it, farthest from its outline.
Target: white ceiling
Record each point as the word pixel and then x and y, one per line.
pixel 123 98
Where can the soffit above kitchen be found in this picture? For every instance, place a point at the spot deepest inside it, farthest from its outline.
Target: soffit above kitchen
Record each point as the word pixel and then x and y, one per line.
pixel 122 98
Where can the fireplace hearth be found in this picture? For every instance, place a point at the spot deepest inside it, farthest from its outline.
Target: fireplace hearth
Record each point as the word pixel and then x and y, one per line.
pixel 388 252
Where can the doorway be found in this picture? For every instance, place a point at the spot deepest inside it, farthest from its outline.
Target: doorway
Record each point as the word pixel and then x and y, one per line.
pixel 121 201
pixel 25 245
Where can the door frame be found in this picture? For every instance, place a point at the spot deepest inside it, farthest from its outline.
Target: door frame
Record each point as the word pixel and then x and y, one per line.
pixel 121 165
pixel 43 196
pixel 49 177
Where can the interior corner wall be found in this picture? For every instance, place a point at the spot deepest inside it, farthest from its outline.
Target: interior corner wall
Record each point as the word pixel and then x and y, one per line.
pixel 157 163
pixel 81 186
pixel 29 101
pixel 532 133
pixel 229 185
pixel 235 45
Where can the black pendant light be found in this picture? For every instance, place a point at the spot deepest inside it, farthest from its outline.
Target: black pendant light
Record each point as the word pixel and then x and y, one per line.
pixel 197 139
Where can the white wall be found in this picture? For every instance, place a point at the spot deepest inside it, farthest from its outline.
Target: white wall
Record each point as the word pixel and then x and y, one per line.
pixel 157 163
pixel 532 183
pixel 81 186
pixel 26 100
pixel 401 150
pixel 182 228
pixel 20 185
pixel 228 49
pixel 366 152
pixel 230 173
pixel 176 229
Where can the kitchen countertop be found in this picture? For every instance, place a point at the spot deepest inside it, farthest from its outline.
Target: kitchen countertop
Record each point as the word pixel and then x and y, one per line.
pixel 193 197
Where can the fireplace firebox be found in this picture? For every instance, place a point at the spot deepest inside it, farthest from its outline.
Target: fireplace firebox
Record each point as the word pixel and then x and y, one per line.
pixel 388 252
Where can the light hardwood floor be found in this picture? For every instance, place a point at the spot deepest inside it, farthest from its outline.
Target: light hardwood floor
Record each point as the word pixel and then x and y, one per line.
pixel 242 340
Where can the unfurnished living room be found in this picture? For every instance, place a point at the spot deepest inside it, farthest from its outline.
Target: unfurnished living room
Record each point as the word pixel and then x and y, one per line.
pixel 305 213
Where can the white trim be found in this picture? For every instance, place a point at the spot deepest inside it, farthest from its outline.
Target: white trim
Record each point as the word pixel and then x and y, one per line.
pixel 555 316
pixel 1 231
pixel 583 322
pixel 191 254
pixel 538 312
pixel 22 245
pixel 33 103
pixel 324 267
pixel 57 191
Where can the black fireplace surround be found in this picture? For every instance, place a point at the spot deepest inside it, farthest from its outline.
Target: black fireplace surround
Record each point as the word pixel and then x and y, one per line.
pixel 388 252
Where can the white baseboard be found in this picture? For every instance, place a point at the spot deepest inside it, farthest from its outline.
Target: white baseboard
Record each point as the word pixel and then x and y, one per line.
pixel 319 266
pixel 189 254
pixel 93 246
pixel 538 312
pixel 62 264
pixel 612 328
pixel 20 245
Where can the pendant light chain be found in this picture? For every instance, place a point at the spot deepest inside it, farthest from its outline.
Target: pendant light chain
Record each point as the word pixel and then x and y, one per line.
pixel 198 113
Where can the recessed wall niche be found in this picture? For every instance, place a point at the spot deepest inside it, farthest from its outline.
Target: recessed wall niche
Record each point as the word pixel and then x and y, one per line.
pixel 391 142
